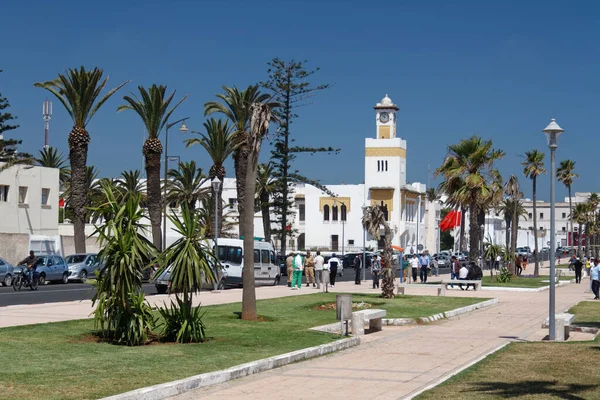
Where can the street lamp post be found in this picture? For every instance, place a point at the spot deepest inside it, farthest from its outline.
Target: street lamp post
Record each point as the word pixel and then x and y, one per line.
pixel 552 131
pixel 216 185
pixel 183 129
pixel 364 210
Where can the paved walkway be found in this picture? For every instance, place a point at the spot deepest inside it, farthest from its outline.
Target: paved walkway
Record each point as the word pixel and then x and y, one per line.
pixel 401 361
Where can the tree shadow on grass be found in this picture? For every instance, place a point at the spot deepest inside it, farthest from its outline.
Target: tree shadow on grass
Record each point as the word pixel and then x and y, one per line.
pixel 518 389
pixel 587 324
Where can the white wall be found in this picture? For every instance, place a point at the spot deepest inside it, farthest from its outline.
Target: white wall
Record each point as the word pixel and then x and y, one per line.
pixel 31 217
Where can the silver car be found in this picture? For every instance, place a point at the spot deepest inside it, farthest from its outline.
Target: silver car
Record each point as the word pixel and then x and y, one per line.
pixel 6 272
pixel 162 282
pixel 81 266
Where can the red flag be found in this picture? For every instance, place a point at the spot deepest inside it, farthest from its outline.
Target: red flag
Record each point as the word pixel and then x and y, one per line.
pixel 61 203
pixel 450 221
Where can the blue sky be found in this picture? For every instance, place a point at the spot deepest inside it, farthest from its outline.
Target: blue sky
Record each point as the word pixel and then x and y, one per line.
pixel 497 69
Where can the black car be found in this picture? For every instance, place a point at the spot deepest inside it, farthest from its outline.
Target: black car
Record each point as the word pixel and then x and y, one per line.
pixel 348 260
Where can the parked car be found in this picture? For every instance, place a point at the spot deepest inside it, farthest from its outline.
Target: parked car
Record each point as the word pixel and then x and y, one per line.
pixel 51 268
pixel 162 282
pixel 443 260
pixel 82 265
pixel 6 272
pixel 348 259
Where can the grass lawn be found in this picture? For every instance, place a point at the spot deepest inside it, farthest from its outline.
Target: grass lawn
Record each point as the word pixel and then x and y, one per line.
pixel 62 361
pixel 532 370
pixel 587 313
pixel 519 282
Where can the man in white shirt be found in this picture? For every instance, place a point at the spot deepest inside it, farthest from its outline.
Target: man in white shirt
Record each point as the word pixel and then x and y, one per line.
pixel 498 259
pixel 298 265
pixel 414 265
pixel 334 264
pixel 319 262
pixel 463 274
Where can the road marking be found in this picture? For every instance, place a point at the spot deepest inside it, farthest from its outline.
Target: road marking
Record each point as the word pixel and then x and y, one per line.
pixel 29 291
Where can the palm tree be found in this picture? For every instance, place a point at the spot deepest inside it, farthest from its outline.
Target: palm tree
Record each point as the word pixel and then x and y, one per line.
pixel 566 176
pixel 259 126
pixel 265 185
pixel 471 163
pixel 593 202
pixel 78 90
pixel 50 157
pixel 185 185
pixel 206 215
pixel 219 142
pixel 190 260
pixel 130 183
pixel 507 208
pixel 372 221
pixel 92 189
pixel 236 106
pixel 533 166
pixel 580 214
pixel 512 189
pixel 153 109
pixel 492 251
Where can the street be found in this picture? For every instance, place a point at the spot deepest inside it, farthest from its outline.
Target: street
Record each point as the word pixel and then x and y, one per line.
pixel 74 291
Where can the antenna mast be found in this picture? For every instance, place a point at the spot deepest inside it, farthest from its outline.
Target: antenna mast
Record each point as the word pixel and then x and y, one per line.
pixel 46 115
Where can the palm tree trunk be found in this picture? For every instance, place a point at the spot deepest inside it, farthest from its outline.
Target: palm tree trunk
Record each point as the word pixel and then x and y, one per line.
pixel 266 215
pixel 508 230
pixel 247 221
pixel 579 239
pixel 387 284
pixel 154 196
pixel 536 270
pixel 571 218
pixel 78 198
pixel 473 230
pixel 240 163
pixel 514 236
pixel 461 240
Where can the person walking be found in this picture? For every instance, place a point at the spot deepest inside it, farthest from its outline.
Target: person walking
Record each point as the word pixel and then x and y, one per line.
pixel 424 262
pixel 578 265
pixel 319 263
pixel 310 269
pixel 414 265
pixel 497 263
pixel 524 263
pixel 290 269
pixel 298 265
pixel 592 265
pixel 334 263
pixel 518 267
pixel 376 270
pixel 357 268
pixel 595 275
pixel 325 277
pixel 454 269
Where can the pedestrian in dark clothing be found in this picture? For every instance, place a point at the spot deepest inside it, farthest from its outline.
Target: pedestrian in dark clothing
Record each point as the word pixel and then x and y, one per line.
pixel 357 265
pixel 578 267
pixel 376 270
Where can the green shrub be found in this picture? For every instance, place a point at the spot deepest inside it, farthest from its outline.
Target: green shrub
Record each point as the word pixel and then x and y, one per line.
pixel 182 323
pixel 505 275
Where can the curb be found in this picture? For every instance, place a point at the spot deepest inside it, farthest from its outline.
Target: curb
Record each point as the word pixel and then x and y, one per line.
pixel 335 327
pixel 517 289
pixel 174 388
pixel 455 372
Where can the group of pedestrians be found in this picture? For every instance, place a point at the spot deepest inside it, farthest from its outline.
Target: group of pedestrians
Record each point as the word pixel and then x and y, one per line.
pixel 420 266
pixel 318 273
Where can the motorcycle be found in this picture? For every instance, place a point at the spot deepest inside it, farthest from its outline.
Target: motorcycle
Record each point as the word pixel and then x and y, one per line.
pixel 22 279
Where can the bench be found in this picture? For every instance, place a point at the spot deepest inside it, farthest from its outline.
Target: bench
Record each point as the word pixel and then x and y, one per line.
pixel 374 316
pixel 441 290
pixel 476 284
pixel 562 325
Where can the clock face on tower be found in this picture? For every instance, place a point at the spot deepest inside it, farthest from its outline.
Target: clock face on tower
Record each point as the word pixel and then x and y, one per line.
pixel 384 117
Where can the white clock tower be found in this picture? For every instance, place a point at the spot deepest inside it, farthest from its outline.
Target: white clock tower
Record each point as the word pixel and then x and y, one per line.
pixel 385 164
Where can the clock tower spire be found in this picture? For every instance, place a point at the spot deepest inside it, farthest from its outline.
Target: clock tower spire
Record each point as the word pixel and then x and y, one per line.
pixel 386 118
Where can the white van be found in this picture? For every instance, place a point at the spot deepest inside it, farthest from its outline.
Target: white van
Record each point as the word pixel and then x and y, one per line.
pixel 231 257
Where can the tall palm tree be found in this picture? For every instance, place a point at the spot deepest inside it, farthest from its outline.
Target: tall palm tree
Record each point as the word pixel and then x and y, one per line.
pixel 265 185
pixel 372 221
pixel 93 192
pixel 50 157
pixel 153 109
pixel 566 176
pixel 130 183
pixel 185 185
pixel 512 189
pixel 236 106
pixel 219 142
pixel 472 160
pixel 580 214
pixel 591 227
pixel 533 166
pixel 79 92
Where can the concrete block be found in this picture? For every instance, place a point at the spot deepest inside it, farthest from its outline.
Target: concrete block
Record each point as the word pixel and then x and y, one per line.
pixel 358 324
pixel 375 325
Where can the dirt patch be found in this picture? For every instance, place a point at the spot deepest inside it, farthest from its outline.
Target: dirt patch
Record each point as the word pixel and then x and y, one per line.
pixel 333 306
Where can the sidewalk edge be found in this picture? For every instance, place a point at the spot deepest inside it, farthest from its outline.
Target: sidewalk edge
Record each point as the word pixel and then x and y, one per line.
pixel 455 372
pixel 174 388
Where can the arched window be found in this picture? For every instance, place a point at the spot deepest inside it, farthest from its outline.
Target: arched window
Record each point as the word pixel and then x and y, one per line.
pixel 326 213
pixel 334 213
pixel 343 212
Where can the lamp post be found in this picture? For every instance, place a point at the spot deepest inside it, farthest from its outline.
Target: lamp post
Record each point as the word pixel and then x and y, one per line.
pixel 364 210
pixel 183 129
pixel 216 185
pixel 552 131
